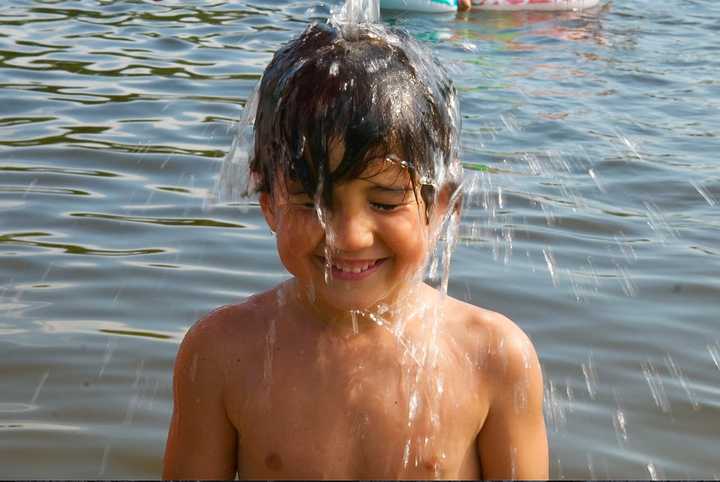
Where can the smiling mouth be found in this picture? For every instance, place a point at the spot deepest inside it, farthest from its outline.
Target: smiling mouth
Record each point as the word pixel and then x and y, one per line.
pixel 353 269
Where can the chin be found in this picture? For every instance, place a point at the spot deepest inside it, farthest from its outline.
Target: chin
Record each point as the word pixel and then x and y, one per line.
pixel 350 302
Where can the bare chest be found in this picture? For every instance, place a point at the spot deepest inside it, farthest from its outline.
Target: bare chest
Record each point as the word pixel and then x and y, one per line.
pixel 363 417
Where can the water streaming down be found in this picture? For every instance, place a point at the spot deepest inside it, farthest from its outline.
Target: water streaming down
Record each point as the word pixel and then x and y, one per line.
pixel 487 189
pixel 116 119
pixel 413 319
pixel 480 188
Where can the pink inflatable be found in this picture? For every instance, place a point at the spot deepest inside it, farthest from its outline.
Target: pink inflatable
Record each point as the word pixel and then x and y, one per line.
pixel 533 4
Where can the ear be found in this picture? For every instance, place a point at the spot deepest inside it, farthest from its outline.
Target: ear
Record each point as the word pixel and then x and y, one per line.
pixel 267 205
pixel 450 198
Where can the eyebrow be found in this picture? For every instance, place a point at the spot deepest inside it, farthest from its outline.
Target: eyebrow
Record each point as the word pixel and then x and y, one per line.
pixel 381 187
pixel 387 183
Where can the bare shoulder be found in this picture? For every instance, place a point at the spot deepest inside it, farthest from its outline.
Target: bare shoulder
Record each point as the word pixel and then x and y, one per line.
pixel 512 441
pixel 507 353
pixel 221 331
pixel 202 440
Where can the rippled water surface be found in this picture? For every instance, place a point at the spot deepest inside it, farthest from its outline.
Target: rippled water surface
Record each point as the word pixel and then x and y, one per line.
pixel 592 217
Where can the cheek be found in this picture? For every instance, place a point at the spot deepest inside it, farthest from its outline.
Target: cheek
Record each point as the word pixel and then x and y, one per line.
pixel 298 234
pixel 407 238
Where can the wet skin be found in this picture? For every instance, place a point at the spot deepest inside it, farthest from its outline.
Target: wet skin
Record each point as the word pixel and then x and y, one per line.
pixel 289 385
pixel 375 225
pixel 265 389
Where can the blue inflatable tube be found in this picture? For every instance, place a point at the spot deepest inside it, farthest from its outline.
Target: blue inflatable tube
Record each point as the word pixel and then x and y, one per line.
pixel 429 6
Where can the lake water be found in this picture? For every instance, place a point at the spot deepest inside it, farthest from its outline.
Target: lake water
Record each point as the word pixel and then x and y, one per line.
pixel 593 217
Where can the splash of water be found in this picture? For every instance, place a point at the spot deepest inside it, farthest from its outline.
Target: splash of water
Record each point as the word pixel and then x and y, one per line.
pixel 104 459
pixel 554 407
pixel 233 183
pixel 39 387
pixel 422 380
pixel 677 372
pixel 109 349
pixel 657 387
pixel 357 12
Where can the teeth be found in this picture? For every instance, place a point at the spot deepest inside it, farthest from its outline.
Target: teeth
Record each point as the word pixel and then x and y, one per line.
pixel 354 269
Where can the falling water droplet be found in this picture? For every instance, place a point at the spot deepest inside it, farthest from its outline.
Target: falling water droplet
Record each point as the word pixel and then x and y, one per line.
pixel 104 460
pixel 657 388
pixel 270 338
pixel 714 351
pixel 47 271
pixel 29 188
pixel 625 247
pixel 520 393
pixel 658 222
pixel 570 395
pixel 117 295
pixel 626 281
pixel 39 387
pixel 619 421
pixel 590 465
pixel 406 453
pixel 619 425
pixel 630 145
pixel 575 284
pixel 553 407
pixel 132 405
pixel 138 373
pixel 595 179
pixel 150 197
pixel 652 471
pixel 550 261
pixel 327 267
pixel 354 318
pixel 704 193
pixel 560 471
pixel 154 394
pixel 510 123
pixel 109 348
pixel 680 377
pixel 590 377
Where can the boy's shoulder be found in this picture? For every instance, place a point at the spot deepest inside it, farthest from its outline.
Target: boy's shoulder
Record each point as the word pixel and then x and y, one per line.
pixel 500 346
pixel 476 320
pixel 241 322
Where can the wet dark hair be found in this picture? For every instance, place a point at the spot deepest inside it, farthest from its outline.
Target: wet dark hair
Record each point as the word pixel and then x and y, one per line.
pixel 374 88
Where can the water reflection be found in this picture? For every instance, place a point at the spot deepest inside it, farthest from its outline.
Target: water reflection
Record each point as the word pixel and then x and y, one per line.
pixel 21 239
pixel 525 30
pixel 106 327
pixel 115 150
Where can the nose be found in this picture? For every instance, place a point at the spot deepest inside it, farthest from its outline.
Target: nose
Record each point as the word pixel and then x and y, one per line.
pixel 350 229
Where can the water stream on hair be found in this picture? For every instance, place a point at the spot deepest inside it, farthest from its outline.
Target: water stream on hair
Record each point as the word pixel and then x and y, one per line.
pixel 492 190
pixel 422 374
pixel 590 215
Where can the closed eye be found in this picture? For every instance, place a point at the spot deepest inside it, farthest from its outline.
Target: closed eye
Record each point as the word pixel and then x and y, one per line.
pixel 385 207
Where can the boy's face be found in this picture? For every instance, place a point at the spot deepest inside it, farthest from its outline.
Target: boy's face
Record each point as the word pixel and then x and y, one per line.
pixel 375 233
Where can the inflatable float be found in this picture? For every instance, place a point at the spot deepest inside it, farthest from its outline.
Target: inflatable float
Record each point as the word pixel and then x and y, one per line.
pixel 533 4
pixel 428 6
pixel 508 5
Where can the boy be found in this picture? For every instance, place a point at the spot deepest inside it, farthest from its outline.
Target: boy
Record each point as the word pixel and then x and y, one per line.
pixel 354 368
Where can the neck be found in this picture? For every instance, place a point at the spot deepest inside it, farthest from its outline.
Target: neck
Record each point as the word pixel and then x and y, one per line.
pixel 394 314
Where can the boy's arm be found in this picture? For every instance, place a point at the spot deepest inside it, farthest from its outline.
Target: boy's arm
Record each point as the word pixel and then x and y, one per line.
pixel 464 5
pixel 202 442
pixel 513 442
